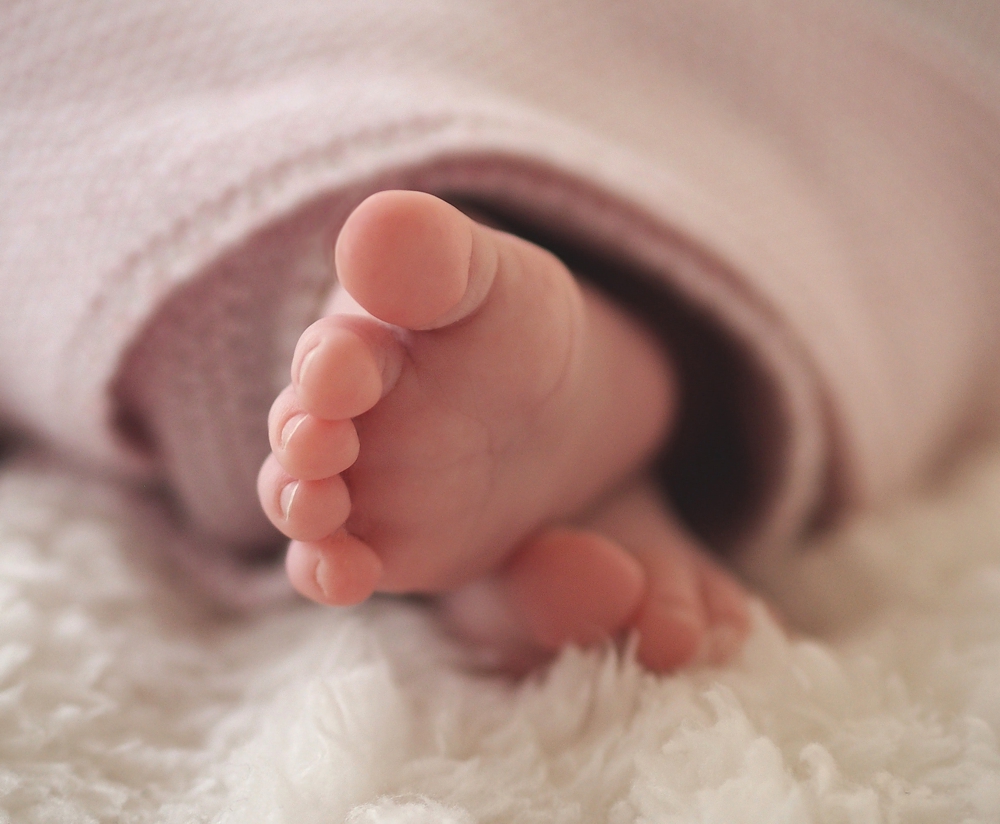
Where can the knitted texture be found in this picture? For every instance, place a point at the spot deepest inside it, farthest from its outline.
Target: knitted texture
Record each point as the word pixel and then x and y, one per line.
pixel 195 390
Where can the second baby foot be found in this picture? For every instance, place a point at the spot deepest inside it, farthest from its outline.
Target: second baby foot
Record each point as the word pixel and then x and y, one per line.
pixel 463 391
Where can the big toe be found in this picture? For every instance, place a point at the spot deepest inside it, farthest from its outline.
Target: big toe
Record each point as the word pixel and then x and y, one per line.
pixel 405 257
pixel 564 586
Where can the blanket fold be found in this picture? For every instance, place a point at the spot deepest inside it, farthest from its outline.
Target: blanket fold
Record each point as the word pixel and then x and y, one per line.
pixel 819 181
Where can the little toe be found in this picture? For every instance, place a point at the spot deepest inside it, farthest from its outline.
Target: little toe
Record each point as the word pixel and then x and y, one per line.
pixel 342 366
pixel 338 571
pixel 695 611
pixel 308 447
pixel 302 510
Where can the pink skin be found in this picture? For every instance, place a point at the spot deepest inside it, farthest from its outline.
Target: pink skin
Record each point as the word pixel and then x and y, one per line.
pixel 463 398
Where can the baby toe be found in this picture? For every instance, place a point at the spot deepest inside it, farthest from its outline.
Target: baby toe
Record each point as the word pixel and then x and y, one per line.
pixel 303 510
pixel 309 448
pixel 572 586
pixel 728 606
pixel 563 586
pixel 337 371
pixel 338 571
pixel 671 621
pixel 671 635
pixel 404 256
pixel 695 613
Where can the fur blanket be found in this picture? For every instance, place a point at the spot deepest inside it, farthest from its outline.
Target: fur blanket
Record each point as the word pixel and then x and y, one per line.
pixel 120 700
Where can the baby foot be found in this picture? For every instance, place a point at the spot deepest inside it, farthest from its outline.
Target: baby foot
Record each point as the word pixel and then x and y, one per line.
pixel 683 604
pixel 463 391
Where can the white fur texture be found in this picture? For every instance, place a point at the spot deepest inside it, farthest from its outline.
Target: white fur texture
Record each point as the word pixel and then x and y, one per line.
pixel 122 701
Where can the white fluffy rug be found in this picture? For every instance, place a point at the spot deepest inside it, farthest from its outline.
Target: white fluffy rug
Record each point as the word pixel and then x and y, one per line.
pixel 121 702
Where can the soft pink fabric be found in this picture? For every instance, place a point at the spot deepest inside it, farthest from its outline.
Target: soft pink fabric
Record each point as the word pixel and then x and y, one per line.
pixel 820 177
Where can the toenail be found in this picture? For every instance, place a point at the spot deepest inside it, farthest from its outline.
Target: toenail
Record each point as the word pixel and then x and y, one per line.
pixel 289 428
pixel 320 574
pixel 286 497
pixel 304 362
